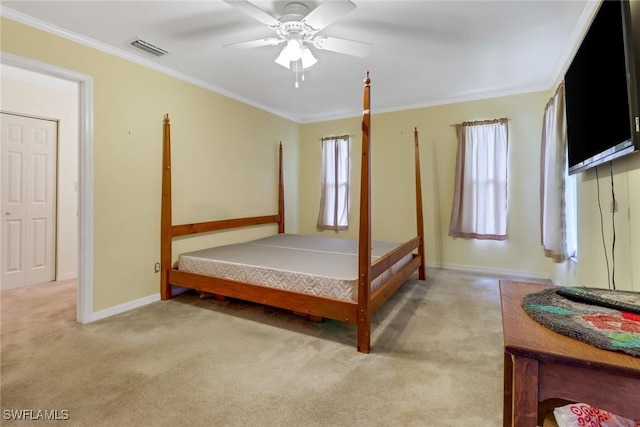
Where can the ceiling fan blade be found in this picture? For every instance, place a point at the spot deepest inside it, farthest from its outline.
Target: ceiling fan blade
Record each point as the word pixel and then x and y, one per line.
pixel 327 13
pixel 254 12
pixel 348 47
pixel 270 41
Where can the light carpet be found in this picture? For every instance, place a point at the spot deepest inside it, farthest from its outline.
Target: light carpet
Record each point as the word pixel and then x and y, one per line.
pixel 436 360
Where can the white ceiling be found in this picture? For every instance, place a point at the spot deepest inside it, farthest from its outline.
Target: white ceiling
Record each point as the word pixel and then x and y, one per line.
pixel 424 52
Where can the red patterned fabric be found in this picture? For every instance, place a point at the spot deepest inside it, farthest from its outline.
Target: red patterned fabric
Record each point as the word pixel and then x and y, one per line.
pixel 583 415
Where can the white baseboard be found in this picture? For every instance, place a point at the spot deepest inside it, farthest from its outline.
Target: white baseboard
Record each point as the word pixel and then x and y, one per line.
pixel 112 311
pixel 67 276
pixel 176 290
pixel 500 272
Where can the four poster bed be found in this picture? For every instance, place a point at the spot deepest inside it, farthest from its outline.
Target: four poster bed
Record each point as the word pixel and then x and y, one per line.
pixel 323 277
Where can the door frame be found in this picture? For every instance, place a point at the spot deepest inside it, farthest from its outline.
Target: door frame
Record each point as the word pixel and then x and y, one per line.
pixel 85 172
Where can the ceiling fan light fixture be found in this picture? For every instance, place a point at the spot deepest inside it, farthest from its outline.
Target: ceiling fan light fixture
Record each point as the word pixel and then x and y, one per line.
pixel 298 27
pixel 283 60
pixel 307 58
pixel 293 50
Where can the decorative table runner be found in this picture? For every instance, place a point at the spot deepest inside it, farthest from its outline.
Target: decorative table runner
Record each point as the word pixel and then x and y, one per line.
pixel 603 318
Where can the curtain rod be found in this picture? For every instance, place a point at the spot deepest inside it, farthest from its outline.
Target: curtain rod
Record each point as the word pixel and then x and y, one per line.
pixel 484 122
pixel 335 137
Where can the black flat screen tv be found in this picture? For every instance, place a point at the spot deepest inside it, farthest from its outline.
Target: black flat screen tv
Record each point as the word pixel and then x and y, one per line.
pixel 601 88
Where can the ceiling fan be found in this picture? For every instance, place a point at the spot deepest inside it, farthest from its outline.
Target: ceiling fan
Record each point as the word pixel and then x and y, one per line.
pixel 298 29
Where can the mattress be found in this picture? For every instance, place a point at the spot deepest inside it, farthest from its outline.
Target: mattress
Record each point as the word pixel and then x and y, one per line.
pixel 314 265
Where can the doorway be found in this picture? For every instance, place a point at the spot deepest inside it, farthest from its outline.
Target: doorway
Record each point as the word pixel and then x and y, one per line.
pixel 84 174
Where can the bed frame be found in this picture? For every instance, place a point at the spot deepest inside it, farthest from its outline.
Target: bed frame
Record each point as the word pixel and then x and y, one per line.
pixel 359 312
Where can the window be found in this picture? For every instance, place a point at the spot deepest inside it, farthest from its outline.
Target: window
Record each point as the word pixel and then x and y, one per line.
pixel 480 199
pixel 334 197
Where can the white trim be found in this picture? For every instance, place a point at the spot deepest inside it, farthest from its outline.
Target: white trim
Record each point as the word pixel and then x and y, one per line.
pixel 103 47
pixel 479 96
pixel 579 31
pixel 140 302
pixel 560 67
pixel 490 271
pixel 37 79
pixel 127 306
pixel 85 172
pixel 68 276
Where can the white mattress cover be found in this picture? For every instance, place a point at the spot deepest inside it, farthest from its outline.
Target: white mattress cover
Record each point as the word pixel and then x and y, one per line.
pixel 315 265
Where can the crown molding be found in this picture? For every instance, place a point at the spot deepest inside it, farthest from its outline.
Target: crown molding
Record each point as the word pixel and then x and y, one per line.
pixel 103 47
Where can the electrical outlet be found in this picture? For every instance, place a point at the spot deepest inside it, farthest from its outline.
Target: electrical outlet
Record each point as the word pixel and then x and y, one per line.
pixel 157 267
pixel 614 206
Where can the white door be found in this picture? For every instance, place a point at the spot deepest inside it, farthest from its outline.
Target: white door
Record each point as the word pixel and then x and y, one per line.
pixel 28 200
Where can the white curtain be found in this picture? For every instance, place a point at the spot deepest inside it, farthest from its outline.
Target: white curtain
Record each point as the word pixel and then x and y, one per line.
pixel 334 197
pixel 480 199
pixel 557 189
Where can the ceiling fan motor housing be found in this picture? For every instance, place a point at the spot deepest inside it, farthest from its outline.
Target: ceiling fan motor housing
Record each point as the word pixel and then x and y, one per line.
pixel 294 12
pixel 292 26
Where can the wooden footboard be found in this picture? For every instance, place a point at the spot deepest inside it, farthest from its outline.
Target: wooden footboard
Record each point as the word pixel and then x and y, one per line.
pixel 382 264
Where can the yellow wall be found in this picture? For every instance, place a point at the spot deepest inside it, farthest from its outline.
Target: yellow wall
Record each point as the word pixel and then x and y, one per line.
pixel 222 165
pixel 393 200
pixel 225 168
pixel 393 204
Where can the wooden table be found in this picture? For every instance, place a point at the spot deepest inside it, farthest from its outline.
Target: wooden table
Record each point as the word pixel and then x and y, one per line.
pixel 540 364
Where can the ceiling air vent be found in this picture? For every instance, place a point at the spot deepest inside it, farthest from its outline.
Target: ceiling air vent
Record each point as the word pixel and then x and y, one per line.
pixel 148 47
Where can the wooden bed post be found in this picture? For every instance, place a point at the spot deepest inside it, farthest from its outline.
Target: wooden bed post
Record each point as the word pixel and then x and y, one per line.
pixel 165 216
pixel 358 312
pixel 364 239
pixel 421 269
pixel 280 193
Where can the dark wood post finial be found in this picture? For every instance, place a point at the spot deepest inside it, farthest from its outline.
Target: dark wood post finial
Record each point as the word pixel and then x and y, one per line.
pixel 415 131
pixel 166 118
pixel 367 80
